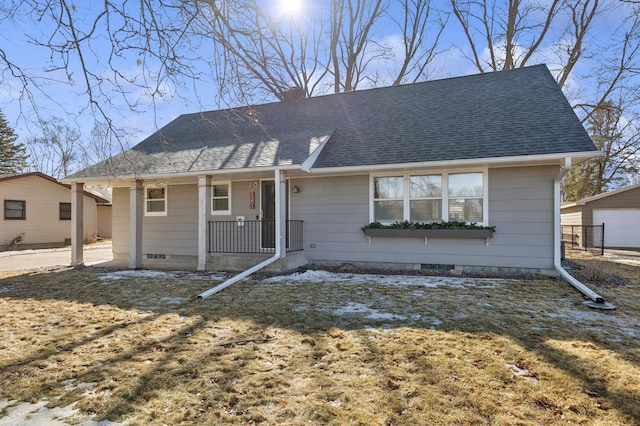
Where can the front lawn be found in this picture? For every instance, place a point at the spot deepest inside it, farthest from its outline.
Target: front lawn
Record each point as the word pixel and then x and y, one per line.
pixel 318 348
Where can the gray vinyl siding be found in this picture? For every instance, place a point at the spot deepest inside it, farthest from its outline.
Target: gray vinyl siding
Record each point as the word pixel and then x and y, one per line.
pixel 175 234
pixel 333 209
pixel 42 225
pixel 120 223
pixel 520 205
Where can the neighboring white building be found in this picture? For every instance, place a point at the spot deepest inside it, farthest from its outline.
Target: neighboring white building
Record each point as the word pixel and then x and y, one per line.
pixel 618 210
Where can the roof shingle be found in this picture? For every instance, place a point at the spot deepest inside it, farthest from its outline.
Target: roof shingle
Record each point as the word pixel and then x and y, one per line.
pixel 503 114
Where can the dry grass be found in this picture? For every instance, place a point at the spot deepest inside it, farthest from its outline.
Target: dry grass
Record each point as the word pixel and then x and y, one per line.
pixel 142 351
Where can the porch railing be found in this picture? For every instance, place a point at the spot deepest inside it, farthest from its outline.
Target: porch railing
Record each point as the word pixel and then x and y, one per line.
pixel 252 236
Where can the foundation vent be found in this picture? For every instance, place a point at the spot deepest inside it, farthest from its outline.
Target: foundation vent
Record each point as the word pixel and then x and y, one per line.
pixel 436 267
pixel 156 256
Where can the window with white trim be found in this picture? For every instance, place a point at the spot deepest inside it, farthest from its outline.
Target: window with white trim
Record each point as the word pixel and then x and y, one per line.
pixel 425 197
pixel 466 197
pixel 221 198
pixel 388 198
pixel 155 200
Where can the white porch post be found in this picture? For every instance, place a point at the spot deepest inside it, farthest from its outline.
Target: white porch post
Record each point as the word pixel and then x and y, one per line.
pixel 77 224
pixel 204 200
pixel 281 213
pixel 136 209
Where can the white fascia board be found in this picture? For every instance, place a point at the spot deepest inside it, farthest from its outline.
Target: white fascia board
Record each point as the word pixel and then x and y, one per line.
pixel 572 204
pixel 485 162
pixel 161 176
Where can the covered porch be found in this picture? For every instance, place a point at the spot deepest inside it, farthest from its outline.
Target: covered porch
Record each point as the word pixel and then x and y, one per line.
pixel 201 223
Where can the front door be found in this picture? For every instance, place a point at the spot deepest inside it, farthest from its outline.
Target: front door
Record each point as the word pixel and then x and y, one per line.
pixel 268 212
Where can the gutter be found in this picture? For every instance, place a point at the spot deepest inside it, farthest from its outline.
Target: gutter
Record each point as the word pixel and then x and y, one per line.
pixel 595 300
pixel 279 254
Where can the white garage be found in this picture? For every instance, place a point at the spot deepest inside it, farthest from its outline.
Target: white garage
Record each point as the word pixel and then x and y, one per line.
pixel 619 210
pixel 622 226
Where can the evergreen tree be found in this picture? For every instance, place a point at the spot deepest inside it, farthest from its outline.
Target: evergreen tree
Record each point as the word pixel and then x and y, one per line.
pixel 13 156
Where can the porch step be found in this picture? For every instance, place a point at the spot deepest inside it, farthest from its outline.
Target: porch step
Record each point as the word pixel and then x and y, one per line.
pixel 242 262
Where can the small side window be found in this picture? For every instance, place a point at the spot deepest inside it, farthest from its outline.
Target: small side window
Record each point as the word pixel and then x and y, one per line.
pixel 65 211
pixel 221 198
pixel 155 201
pixel 15 210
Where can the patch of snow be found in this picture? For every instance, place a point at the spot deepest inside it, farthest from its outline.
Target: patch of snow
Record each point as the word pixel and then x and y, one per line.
pixel 618 259
pixel 172 300
pixel 367 311
pixel 336 403
pixel 428 281
pixel 120 275
pixel 143 304
pixel 25 413
pixel 4 290
pixel 590 319
pixel 522 372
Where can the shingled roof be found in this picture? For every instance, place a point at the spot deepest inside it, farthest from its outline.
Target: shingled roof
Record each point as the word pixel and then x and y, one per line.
pixel 503 114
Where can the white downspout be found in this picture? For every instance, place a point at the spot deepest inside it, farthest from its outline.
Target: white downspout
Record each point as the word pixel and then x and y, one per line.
pixel 278 253
pixel 593 296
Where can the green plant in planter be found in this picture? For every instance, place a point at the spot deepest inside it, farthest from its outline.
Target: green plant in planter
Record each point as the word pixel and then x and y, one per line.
pixel 454 224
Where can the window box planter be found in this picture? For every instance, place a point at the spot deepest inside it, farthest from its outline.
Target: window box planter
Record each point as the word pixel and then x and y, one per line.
pixel 429 233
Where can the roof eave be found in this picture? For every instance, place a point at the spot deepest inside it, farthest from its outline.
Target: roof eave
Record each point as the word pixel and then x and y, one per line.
pixel 529 160
pixel 161 176
pixel 584 201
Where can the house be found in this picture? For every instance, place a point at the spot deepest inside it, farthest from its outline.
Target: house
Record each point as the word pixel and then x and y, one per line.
pixel 618 210
pixel 293 182
pixel 37 212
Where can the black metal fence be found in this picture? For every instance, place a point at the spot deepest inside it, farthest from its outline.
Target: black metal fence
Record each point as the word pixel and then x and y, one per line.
pixel 252 236
pixel 583 237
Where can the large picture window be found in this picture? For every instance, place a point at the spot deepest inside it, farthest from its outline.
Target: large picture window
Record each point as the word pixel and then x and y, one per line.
pixel 155 202
pixel 15 210
pixel 221 198
pixel 426 197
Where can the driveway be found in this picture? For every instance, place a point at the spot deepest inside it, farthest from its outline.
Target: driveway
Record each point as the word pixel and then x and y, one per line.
pixel 623 256
pixel 33 259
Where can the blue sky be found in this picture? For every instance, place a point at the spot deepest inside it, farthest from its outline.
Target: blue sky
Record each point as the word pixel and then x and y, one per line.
pixel 59 98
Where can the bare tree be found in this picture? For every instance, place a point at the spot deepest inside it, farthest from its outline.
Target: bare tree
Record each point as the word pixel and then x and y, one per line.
pixel 422 28
pixel 123 57
pixel 333 47
pixel 91 50
pixel 618 138
pixel 514 31
pixel 58 151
